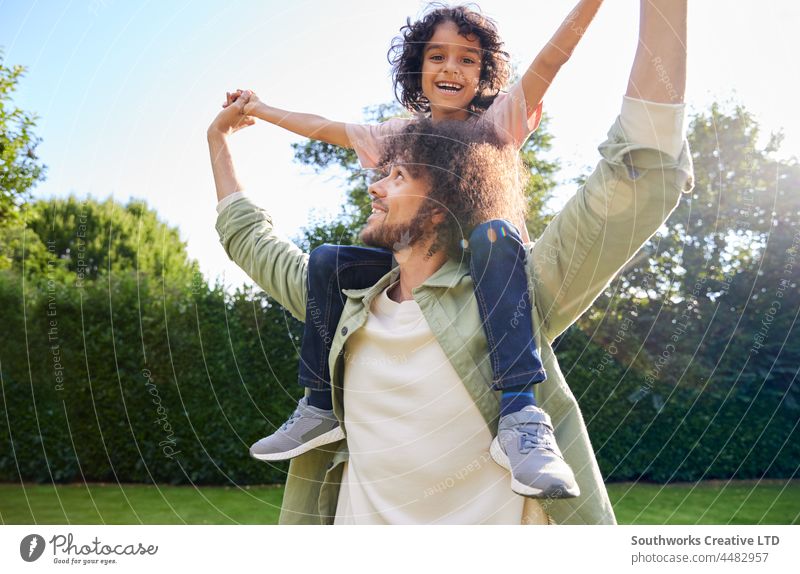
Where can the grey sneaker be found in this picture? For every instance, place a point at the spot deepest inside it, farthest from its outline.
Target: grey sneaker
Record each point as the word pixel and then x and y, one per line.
pixel 307 428
pixel 526 446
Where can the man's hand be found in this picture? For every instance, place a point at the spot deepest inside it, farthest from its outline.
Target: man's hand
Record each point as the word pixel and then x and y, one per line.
pixel 231 119
pixel 233 116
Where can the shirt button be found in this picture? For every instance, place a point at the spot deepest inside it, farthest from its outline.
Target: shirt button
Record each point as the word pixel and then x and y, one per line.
pixel 344 331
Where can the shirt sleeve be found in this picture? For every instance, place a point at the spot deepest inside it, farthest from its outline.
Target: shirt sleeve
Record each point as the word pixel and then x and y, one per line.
pixel 367 140
pixel 228 199
pixel 511 117
pixel 630 194
pixel 654 125
pixel 274 262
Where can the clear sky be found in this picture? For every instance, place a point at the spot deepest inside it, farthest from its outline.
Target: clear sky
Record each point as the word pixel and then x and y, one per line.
pixel 126 90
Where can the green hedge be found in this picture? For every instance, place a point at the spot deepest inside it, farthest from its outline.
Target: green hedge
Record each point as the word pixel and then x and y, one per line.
pixel 684 431
pixel 223 369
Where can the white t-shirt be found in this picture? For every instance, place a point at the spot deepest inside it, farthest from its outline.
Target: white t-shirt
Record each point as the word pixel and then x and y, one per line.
pixel 508 115
pixel 419 447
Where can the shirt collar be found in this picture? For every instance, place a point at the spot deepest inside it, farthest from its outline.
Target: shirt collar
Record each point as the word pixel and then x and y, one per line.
pixel 448 275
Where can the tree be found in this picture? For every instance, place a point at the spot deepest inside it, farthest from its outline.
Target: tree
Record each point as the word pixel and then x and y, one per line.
pixel 20 168
pixel 701 287
pixel 86 239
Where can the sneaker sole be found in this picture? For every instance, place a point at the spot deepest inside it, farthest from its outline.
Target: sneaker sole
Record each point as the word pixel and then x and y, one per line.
pixel 555 492
pixel 332 435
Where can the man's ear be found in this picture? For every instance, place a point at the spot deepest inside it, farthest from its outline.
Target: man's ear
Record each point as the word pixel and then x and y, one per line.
pixel 438 216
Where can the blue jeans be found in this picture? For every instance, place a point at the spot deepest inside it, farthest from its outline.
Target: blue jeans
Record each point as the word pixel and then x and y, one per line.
pixel 497 266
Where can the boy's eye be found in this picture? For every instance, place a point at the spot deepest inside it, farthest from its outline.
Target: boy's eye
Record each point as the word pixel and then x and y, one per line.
pixel 468 61
pixel 437 58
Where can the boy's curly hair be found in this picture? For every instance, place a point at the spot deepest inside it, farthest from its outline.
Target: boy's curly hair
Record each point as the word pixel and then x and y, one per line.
pixel 472 176
pixel 407 50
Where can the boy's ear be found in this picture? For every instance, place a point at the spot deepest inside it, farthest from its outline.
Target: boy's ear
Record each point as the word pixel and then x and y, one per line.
pixel 438 216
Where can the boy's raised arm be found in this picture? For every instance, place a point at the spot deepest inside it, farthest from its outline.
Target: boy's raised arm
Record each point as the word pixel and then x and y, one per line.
pixel 306 125
pixel 543 69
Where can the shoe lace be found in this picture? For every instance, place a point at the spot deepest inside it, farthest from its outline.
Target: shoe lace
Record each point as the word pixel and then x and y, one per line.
pixel 295 415
pixel 534 436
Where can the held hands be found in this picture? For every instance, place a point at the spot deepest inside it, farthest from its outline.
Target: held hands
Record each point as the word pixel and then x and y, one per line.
pixel 251 105
pixel 306 125
pixel 234 115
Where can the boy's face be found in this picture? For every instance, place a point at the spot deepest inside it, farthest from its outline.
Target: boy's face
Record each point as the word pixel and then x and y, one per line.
pixel 451 70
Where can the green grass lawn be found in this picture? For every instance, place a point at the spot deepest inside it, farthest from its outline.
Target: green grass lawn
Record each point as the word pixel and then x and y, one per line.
pixel 710 502
pixel 138 504
pixel 772 502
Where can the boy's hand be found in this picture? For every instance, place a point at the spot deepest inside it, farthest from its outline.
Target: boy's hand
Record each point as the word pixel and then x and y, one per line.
pixel 306 125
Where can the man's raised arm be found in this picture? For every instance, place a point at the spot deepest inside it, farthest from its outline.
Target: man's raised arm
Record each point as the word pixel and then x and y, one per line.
pixel 227 122
pixel 659 69
pixel 276 264
pixel 644 168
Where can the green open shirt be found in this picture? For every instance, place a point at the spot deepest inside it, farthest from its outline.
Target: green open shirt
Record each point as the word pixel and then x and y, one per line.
pixel 629 195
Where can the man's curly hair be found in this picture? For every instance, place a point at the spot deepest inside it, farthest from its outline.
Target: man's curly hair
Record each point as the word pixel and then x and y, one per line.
pixel 472 176
pixel 407 52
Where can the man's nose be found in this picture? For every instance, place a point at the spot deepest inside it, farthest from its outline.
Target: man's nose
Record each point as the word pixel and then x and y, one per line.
pixel 376 189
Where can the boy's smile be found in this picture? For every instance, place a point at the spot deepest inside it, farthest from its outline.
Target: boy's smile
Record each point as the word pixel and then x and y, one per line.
pixel 451 70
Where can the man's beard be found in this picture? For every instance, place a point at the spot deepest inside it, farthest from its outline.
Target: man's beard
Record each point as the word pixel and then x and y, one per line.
pixel 400 237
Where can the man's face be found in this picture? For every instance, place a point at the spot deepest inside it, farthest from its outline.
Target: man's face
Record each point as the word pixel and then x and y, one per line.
pixel 400 214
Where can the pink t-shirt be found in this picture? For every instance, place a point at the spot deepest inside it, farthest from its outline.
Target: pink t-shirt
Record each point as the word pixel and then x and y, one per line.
pixel 508 114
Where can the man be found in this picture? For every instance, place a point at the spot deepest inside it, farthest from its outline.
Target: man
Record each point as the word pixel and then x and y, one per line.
pixel 389 467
